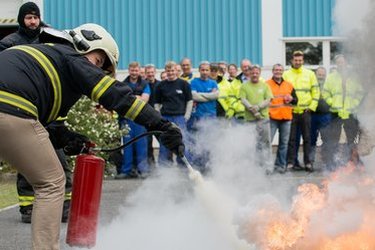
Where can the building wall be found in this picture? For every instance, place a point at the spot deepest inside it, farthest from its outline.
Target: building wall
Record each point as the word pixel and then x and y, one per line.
pixel 307 18
pixel 154 31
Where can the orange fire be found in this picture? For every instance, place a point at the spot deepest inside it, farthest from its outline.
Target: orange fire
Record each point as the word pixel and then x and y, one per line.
pixel 339 215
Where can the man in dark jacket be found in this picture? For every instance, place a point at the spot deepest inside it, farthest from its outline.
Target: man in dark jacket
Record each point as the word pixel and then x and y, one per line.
pixel 29 27
pixel 28 33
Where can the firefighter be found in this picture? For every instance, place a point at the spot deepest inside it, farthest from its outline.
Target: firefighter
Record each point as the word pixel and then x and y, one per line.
pixel 28 32
pixel 41 82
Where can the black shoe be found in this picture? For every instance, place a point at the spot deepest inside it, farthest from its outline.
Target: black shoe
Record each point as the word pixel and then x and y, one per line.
pixel 309 167
pixel 65 217
pixel 26 217
pixel 297 168
pixel 65 213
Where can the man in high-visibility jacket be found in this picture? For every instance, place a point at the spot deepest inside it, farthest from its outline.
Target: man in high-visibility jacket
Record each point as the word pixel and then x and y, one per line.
pixel 236 108
pixel 307 89
pixel 280 110
pixel 222 103
pixel 343 93
pixel 41 82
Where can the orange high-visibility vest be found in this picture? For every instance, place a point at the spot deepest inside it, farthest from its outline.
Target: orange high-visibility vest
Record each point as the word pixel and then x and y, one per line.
pixel 278 109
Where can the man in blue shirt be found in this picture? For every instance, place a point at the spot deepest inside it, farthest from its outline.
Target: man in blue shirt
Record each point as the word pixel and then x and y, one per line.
pixel 134 162
pixel 205 93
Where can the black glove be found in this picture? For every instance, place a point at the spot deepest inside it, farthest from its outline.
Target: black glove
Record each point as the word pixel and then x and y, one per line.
pixel 76 144
pixel 61 137
pixel 171 137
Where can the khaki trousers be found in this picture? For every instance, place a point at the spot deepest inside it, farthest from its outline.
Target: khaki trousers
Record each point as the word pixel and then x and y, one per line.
pixel 26 146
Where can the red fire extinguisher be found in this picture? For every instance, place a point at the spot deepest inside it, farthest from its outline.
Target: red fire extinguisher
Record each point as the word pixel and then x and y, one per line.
pixel 84 207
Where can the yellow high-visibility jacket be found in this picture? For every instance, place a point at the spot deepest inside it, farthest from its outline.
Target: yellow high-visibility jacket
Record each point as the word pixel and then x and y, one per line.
pixel 306 86
pixel 236 108
pixel 224 93
pixel 343 97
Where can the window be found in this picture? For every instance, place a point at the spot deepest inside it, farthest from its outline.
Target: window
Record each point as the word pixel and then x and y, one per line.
pixel 318 51
pixel 313 52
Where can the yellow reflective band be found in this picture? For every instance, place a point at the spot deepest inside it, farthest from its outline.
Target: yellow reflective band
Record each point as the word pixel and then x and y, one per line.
pixel 61 118
pixel 68 196
pixel 18 102
pixel 25 203
pixel 52 74
pixel 101 87
pixel 135 109
pixel 25 200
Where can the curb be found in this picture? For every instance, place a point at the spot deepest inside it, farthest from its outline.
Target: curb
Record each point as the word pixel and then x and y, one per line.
pixel 7 208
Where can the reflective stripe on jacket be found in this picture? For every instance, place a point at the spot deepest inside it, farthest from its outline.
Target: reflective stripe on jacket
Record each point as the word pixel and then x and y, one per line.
pixel 236 107
pixel 306 86
pixel 343 97
pixel 278 109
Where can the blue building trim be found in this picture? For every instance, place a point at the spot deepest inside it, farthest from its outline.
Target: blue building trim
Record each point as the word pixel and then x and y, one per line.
pixel 154 31
pixel 307 18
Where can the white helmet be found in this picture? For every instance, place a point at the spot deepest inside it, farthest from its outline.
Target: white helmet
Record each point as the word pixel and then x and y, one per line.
pixel 96 37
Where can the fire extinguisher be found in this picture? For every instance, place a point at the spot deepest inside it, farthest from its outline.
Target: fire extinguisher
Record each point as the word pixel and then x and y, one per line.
pixel 86 193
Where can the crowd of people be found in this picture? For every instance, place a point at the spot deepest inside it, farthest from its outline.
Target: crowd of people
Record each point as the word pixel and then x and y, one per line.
pixel 297 102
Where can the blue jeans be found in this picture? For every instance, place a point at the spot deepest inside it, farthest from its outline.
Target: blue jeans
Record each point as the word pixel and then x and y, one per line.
pixel 135 155
pixel 318 122
pixel 165 155
pixel 284 131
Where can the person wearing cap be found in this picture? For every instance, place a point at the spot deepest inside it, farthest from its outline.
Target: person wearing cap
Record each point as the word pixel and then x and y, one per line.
pixel 29 27
pixel 307 89
pixel 41 82
pixel 28 33
pixel 344 94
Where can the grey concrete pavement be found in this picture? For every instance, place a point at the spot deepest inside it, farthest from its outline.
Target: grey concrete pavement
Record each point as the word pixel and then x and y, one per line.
pixel 16 235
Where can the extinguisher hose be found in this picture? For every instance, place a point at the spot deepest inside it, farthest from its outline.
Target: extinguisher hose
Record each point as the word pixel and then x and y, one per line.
pixel 154 132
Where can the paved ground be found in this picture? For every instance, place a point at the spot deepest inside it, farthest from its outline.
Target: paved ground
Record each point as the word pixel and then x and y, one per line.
pixel 16 235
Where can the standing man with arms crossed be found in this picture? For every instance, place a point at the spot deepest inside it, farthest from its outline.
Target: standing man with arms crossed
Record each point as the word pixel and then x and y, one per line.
pixel 307 90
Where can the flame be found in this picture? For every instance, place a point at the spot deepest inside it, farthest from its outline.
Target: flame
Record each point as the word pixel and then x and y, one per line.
pixel 321 216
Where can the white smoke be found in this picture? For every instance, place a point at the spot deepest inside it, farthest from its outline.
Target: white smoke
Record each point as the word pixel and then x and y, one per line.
pixel 170 211
pixel 349 16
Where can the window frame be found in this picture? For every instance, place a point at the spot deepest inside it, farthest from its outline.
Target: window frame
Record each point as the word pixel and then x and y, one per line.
pixel 326 48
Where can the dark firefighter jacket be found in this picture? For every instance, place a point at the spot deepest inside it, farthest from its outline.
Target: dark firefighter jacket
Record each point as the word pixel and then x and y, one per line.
pixel 43 81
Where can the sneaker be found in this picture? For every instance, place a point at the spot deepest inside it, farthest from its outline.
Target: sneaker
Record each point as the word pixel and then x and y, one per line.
pixel 123 176
pixel 309 167
pixel 280 170
pixel 143 175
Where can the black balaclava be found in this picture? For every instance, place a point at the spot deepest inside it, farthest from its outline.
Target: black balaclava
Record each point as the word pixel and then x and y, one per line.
pixel 28 8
